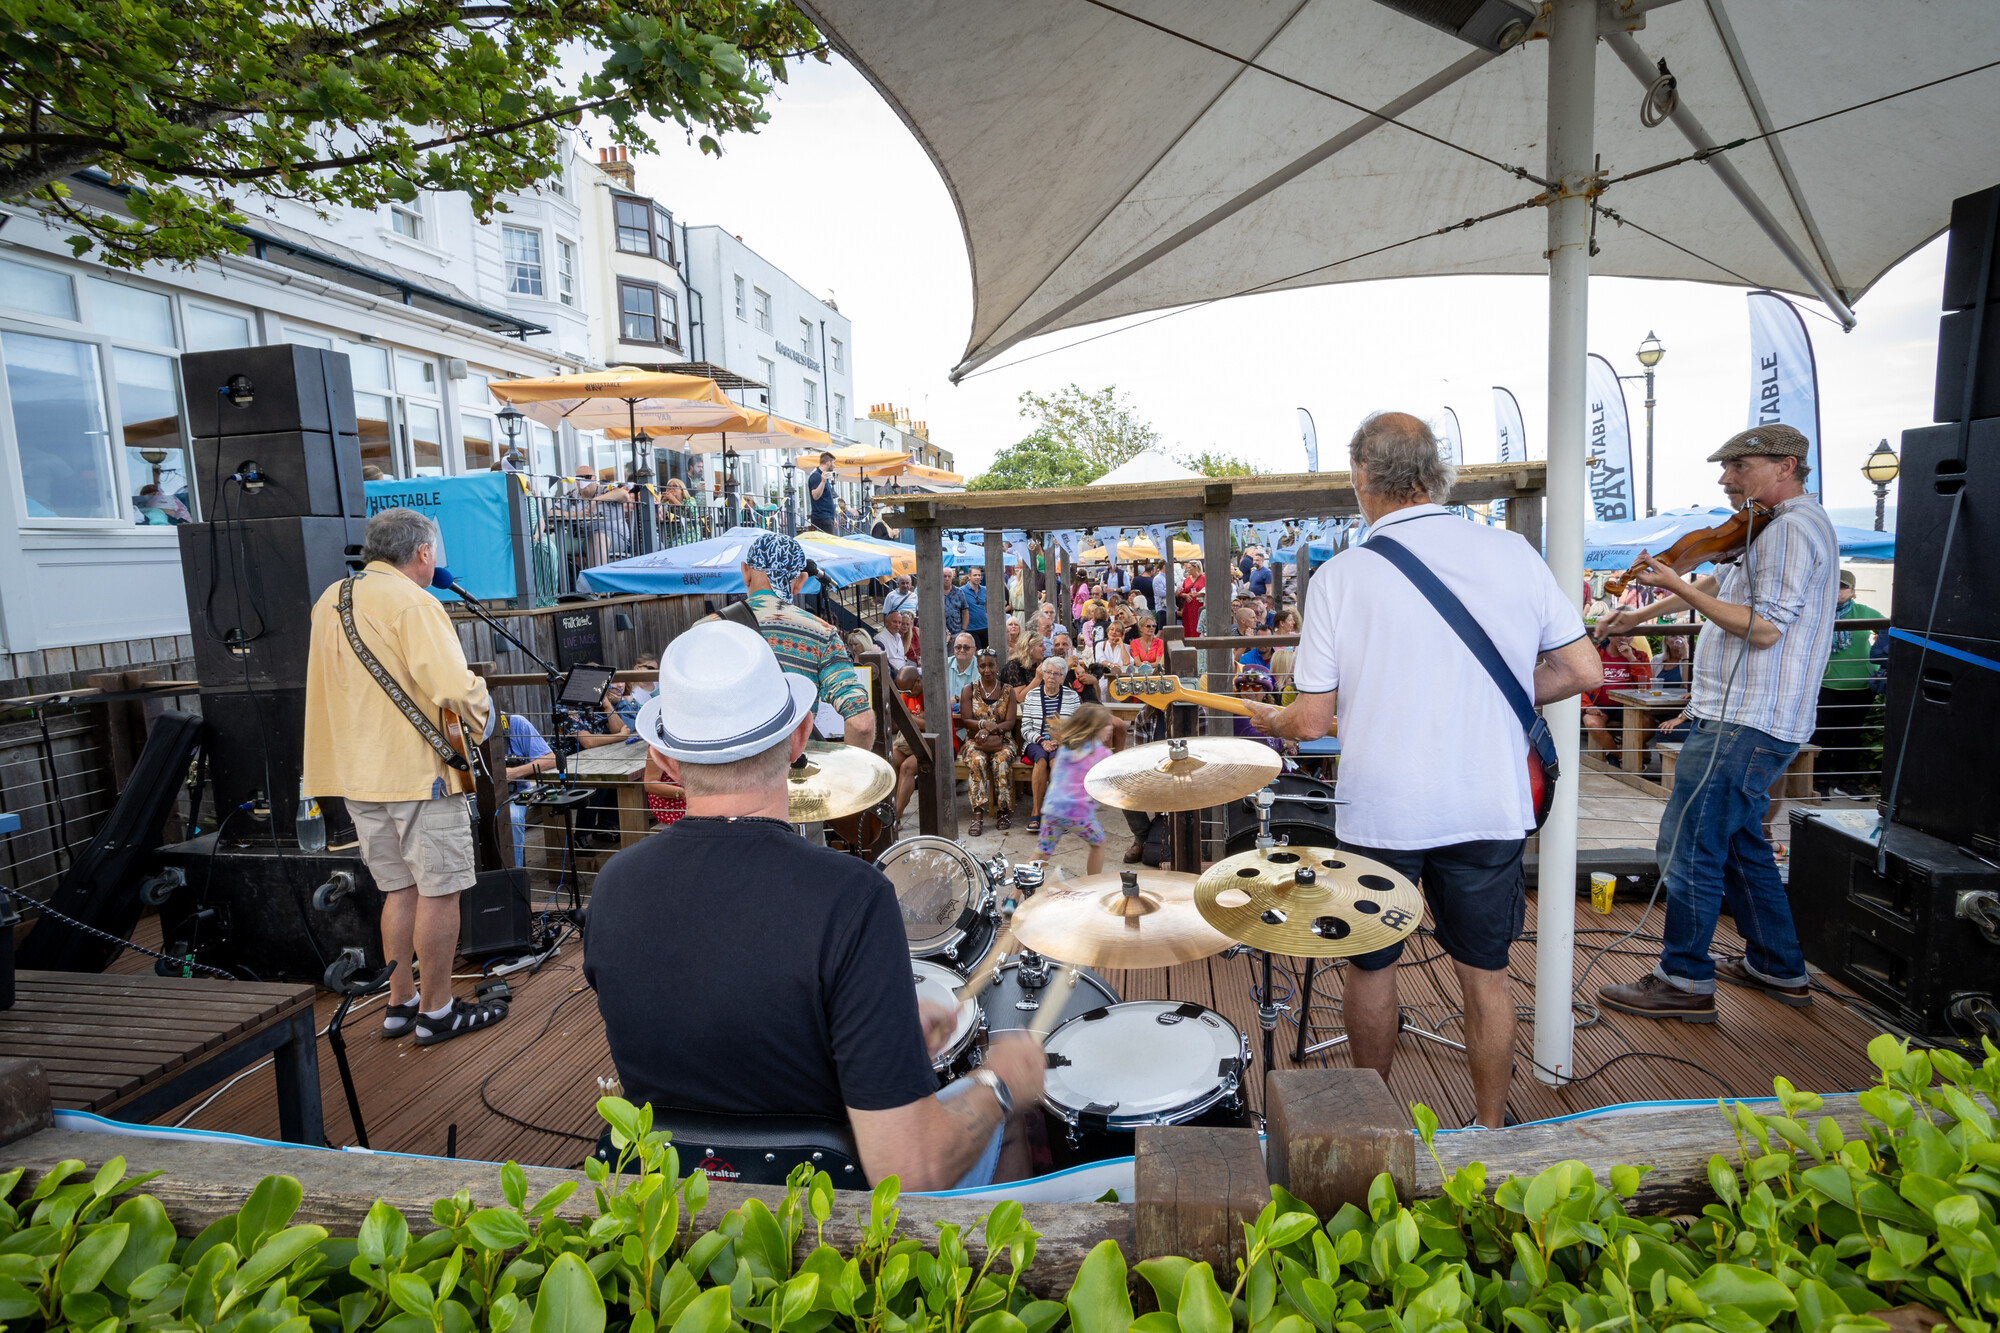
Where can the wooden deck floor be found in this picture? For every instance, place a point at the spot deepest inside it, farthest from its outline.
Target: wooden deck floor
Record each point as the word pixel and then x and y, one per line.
pixel 539 1071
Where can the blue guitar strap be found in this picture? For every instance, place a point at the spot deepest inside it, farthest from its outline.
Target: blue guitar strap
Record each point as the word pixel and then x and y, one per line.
pixel 1446 603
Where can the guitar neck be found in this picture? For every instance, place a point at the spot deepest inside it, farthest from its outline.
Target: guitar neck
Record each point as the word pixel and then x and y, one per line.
pixel 1221 703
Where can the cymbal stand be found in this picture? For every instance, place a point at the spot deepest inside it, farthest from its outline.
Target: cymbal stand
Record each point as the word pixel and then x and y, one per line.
pixel 1267 1009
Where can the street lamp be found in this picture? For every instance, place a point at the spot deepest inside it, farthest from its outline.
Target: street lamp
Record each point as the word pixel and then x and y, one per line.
pixel 1881 467
pixel 642 455
pixel 791 496
pixel 1650 353
pixel 510 419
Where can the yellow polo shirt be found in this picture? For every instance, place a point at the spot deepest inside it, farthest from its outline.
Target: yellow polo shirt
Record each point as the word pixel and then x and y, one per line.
pixel 358 744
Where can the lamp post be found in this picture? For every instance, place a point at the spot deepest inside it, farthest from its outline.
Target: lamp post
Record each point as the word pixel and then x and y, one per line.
pixel 510 419
pixel 1650 352
pixel 791 499
pixel 1881 467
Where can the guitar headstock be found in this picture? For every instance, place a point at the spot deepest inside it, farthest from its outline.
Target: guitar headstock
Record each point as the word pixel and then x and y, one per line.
pixel 1144 687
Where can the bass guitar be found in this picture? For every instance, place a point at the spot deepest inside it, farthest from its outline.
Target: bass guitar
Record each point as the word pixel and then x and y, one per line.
pixel 1159 691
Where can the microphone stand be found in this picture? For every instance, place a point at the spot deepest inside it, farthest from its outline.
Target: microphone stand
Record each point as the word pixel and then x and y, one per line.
pixel 566 796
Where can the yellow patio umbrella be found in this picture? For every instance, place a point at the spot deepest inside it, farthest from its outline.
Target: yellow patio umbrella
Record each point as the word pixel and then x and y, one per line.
pixel 1139 548
pixel 937 476
pixel 899 562
pixel 652 400
pixel 855 464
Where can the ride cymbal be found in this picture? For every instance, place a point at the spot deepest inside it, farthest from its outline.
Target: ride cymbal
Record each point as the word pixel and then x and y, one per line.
pixel 1134 918
pixel 1309 902
pixel 834 780
pixel 1190 773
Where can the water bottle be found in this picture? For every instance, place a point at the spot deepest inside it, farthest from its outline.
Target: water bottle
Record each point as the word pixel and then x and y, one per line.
pixel 310 825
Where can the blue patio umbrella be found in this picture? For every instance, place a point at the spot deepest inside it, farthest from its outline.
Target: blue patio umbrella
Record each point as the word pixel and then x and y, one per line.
pixel 711 566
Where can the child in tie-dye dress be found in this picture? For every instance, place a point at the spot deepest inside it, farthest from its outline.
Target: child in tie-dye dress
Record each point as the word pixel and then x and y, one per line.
pixel 1083 738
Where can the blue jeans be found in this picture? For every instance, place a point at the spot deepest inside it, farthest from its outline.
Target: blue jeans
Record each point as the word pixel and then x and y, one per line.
pixel 982 1171
pixel 1711 849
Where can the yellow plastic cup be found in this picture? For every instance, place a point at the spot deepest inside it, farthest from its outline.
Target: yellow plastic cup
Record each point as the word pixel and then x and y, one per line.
pixel 1602 888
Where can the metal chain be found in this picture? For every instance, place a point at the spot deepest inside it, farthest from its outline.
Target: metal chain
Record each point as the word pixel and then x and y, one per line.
pixel 45 910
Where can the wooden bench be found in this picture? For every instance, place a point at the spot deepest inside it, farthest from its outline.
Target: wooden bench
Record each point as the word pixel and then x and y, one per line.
pixel 1796 782
pixel 135 1047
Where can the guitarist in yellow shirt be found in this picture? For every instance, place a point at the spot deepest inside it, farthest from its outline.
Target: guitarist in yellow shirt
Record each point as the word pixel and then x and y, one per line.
pixel 386 685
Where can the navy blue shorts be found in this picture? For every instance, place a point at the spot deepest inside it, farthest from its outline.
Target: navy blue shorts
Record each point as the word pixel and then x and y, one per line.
pixel 1477 893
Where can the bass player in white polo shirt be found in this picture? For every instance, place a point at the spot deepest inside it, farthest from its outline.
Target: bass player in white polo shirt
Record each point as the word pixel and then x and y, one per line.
pixel 1433 763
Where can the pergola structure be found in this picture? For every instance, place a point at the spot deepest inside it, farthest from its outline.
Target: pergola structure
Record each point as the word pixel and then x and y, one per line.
pixel 1212 501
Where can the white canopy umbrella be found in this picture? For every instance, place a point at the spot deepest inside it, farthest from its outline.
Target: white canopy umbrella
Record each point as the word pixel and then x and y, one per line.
pixel 1109 157
pixel 1146 465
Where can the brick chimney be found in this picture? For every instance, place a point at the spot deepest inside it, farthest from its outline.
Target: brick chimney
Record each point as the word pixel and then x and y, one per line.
pixel 613 163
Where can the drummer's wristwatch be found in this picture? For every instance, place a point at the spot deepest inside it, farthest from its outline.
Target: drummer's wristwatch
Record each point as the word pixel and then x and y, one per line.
pixel 988 1078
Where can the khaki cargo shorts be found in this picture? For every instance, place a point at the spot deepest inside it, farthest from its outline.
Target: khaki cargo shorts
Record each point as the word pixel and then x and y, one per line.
pixel 425 843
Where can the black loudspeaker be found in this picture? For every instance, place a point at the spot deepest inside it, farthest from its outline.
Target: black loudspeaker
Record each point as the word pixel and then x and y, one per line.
pixel 1954 341
pixel 250 910
pixel 254 738
pixel 1303 815
pixel 1970 216
pixel 494 920
pixel 1909 940
pixel 251 586
pixel 1930 477
pixel 289 388
pixel 1937 713
pixel 300 473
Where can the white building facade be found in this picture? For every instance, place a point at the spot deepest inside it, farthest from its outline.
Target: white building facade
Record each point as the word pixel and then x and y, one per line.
pixel 429 305
pixel 753 318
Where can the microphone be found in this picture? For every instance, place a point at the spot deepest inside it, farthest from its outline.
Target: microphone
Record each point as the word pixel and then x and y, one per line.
pixel 442 580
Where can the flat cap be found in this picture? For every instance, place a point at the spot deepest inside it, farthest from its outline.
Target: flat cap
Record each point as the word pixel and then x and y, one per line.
pixel 1776 440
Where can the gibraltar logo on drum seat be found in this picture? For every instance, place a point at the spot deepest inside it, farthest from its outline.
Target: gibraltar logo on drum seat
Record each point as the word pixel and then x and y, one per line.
pixel 717 1169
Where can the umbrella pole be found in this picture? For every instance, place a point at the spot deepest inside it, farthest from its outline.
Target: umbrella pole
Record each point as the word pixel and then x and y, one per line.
pixel 1572 95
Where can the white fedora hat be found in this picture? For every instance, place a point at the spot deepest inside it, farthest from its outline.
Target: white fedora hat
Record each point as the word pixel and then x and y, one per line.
pixel 722 696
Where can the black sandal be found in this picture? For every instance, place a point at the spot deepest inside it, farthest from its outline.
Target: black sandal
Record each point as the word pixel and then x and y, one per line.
pixel 463 1017
pixel 405 1012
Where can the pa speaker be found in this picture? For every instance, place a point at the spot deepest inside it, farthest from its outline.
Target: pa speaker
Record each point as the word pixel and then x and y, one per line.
pixel 251 586
pixel 1936 712
pixel 1900 938
pixel 256 748
pixel 250 910
pixel 264 390
pixel 298 473
pixel 1971 216
pixel 494 916
pixel 1930 479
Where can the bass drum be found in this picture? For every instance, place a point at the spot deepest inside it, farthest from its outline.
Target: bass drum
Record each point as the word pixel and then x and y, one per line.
pixel 946 898
pixel 1009 1004
pixel 1306 822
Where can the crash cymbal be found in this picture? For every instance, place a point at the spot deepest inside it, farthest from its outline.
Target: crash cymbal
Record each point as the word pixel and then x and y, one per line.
pixel 836 780
pixel 1142 918
pixel 1309 902
pixel 1192 773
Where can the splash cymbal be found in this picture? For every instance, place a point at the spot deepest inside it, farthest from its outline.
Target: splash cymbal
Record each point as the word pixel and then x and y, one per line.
pixel 1309 902
pixel 1134 918
pixel 1190 773
pixel 835 780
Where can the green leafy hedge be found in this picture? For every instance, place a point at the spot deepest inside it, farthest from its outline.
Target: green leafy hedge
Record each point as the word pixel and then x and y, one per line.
pixel 1810 1232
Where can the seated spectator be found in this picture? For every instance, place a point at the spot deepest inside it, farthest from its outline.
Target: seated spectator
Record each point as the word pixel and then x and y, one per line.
pixel 527 755
pixel 666 801
pixel 1254 685
pixel 1627 663
pixel 894 640
pixel 1024 665
pixel 909 685
pixel 859 645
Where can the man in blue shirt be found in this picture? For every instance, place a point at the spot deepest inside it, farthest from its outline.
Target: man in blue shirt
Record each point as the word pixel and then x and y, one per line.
pixel 1260 576
pixel 965 607
pixel 527 755
pixel 819 491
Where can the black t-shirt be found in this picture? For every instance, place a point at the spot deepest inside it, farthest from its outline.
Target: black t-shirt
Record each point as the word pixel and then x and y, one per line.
pixel 742 970
pixel 881 530
pixel 823 505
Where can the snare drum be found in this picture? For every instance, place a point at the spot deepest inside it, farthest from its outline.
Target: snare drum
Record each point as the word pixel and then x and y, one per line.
pixel 940 984
pixel 946 897
pixel 1144 1062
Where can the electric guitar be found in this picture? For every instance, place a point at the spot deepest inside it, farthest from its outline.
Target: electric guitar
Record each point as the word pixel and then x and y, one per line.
pixel 1159 691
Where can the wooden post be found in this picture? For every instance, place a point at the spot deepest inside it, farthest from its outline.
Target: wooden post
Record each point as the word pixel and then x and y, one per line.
pixel 25 1107
pixel 1524 515
pixel 120 725
pixel 1184 826
pixel 1215 567
pixel 1304 566
pixel 1194 1190
pixel 937 698
pixel 997 609
pixel 1331 1132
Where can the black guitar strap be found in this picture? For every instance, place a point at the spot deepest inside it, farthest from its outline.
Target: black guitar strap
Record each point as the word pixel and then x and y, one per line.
pixel 404 704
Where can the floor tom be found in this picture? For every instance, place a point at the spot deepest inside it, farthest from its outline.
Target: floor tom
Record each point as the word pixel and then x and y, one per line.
pixel 1144 1062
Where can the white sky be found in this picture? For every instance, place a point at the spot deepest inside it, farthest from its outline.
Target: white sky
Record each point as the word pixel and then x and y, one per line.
pixel 837 192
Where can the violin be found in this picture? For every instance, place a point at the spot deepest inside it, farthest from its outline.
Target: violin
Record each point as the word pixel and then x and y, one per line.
pixel 1726 540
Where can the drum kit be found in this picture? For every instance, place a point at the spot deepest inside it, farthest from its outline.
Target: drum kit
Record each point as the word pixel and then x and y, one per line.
pixel 1010 950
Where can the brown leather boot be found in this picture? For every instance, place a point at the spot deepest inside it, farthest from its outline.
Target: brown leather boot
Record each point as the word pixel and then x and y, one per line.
pixel 1650 997
pixel 1732 971
pixel 1134 852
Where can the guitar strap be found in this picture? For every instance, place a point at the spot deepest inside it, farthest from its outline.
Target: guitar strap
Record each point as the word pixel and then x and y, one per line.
pixel 1447 605
pixel 404 704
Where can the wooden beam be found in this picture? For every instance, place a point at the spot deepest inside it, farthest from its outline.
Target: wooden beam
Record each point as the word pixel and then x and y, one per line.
pixel 1259 498
pixel 205 1182
pixel 997 609
pixel 1524 515
pixel 937 697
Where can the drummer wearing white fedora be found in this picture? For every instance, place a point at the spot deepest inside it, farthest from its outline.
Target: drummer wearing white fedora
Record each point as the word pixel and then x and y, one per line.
pixel 744 971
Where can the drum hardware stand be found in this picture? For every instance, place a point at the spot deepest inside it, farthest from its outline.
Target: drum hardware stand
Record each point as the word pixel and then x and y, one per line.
pixel 1267 1009
pixel 1033 974
pixel 344 978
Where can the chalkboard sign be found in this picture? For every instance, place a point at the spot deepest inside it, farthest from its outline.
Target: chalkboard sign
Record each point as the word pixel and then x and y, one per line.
pixel 579 636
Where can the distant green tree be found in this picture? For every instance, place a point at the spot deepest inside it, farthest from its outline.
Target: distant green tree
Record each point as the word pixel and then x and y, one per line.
pixel 1215 463
pixel 1076 438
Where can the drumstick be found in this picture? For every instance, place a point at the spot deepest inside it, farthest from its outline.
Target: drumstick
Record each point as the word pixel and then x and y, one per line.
pixel 995 956
pixel 1051 1009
